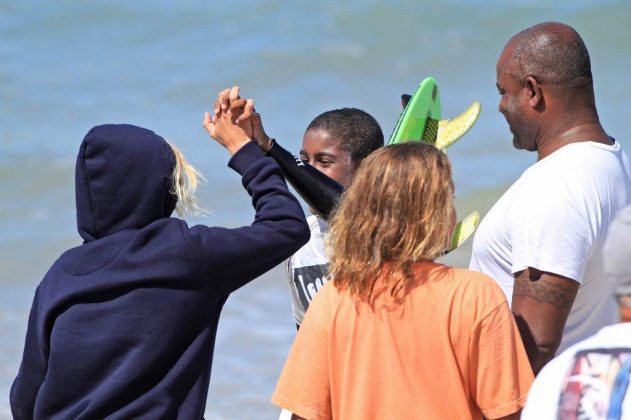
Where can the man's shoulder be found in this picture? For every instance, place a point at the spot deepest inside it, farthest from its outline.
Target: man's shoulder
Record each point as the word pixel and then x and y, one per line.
pixel 474 286
pixel 575 170
pixel 466 275
pixel 586 159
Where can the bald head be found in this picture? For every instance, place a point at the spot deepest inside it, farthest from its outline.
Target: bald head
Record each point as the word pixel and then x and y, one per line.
pixel 553 53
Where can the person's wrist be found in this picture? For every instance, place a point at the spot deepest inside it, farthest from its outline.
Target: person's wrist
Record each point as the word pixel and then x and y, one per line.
pixel 237 145
pixel 272 142
pixel 268 143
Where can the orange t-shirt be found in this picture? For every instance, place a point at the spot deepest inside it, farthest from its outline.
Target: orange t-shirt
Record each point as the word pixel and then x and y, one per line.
pixel 447 349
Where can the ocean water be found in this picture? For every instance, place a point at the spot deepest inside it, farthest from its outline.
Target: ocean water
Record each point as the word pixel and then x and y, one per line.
pixel 66 66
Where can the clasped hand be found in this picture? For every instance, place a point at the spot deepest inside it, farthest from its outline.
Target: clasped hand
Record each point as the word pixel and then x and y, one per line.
pixel 235 122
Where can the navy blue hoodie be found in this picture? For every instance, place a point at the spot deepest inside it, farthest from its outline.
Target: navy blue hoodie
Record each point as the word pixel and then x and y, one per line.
pixel 124 325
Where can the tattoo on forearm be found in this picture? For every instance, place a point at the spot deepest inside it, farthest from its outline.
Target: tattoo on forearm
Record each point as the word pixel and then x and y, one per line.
pixel 556 295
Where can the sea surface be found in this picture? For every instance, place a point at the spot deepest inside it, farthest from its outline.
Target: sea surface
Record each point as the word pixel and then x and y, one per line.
pixel 66 66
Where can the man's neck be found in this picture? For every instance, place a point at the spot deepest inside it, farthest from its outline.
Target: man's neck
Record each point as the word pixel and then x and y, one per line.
pixel 555 139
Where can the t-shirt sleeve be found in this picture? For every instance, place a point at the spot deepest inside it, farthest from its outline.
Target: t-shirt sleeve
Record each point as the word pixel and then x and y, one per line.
pixel 499 372
pixel 553 227
pixel 303 387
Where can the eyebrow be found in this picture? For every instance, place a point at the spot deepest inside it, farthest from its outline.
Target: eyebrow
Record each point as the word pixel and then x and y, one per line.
pixel 319 154
pixel 327 154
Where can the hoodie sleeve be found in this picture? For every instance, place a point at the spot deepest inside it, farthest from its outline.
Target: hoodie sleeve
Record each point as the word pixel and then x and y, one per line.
pixel 32 370
pixel 230 258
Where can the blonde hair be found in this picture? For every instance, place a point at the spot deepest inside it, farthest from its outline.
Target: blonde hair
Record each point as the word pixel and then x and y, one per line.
pixel 185 180
pixel 397 211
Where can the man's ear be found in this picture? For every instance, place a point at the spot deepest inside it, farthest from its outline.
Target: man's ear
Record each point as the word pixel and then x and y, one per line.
pixel 535 92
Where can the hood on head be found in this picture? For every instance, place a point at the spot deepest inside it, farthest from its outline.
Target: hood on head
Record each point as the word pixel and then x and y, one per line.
pixel 122 180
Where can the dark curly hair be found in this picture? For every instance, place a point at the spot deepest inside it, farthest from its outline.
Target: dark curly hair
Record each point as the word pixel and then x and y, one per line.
pixel 358 132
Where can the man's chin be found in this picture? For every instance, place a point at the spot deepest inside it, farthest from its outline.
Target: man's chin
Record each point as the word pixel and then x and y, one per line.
pixel 520 146
pixel 517 144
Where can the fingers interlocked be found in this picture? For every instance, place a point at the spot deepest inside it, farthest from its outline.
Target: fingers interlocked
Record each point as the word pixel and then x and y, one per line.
pixel 230 102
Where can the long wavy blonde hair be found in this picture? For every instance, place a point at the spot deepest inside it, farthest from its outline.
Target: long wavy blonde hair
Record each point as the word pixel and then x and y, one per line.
pixel 185 181
pixel 397 211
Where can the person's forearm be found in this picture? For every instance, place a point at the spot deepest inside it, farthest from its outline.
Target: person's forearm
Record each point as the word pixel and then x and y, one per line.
pixel 540 356
pixel 319 191
pixel 233 257
pixel 538 350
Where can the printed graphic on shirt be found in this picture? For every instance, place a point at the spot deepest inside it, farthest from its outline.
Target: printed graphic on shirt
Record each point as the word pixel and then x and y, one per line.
pixel 308 280
pixel 596 385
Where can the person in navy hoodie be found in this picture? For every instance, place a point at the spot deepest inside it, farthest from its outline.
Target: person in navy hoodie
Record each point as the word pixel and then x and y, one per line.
pixel 124 325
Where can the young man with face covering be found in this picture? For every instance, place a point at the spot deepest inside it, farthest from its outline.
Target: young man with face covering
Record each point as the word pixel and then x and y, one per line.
pixel 123 326
pixel 542 241
pixel 334 143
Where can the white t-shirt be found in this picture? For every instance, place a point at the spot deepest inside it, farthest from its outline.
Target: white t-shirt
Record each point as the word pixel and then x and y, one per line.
pixel 581 382
pixel 307 269
pixel 554 218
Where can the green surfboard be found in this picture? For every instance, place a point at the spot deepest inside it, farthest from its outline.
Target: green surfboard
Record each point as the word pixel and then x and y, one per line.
pixel 419 119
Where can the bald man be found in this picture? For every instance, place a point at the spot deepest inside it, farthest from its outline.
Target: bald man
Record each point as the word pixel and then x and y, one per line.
pixel 542 241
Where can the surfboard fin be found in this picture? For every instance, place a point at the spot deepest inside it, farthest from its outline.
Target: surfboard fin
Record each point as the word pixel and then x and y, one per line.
pixel 451 130
pixel 464 229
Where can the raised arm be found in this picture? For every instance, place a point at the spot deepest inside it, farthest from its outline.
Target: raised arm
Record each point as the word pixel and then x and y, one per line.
pixel 319 191
pixel 232 257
